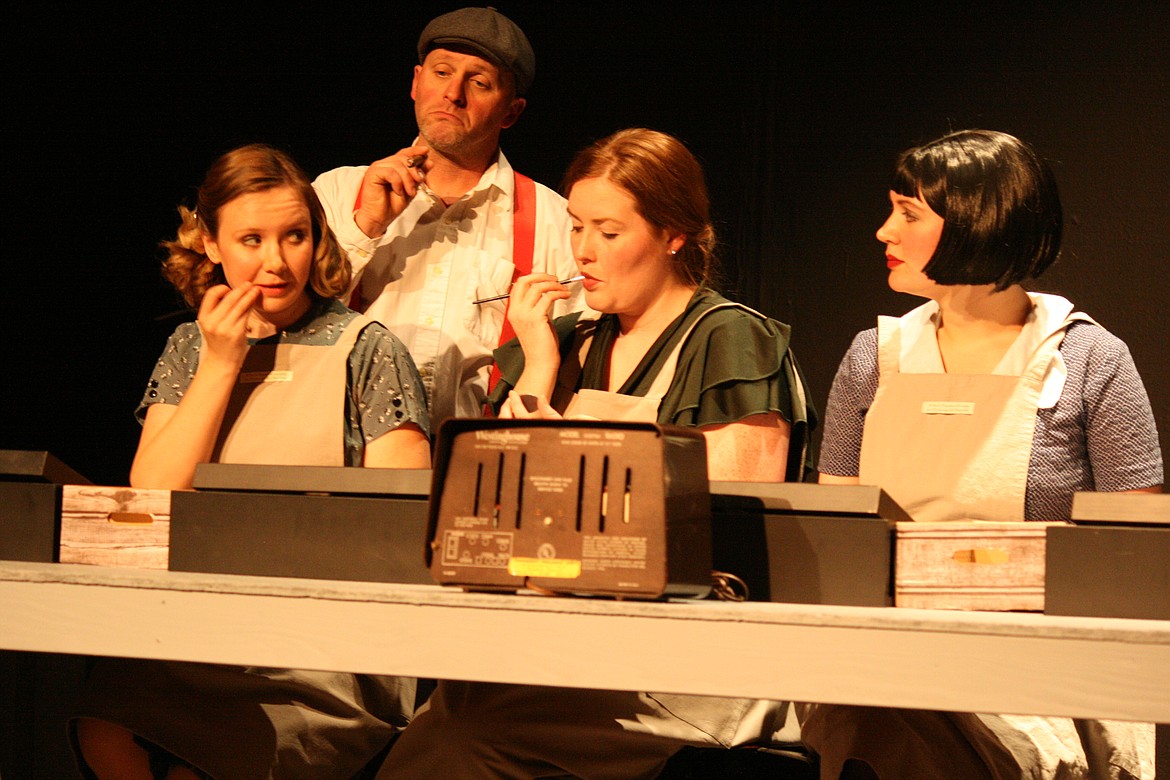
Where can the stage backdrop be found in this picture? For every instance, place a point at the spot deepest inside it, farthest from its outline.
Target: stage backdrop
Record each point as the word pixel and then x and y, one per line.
pixel 798 113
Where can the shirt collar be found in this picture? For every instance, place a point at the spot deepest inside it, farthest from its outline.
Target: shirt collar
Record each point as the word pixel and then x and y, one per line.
pixel 499 176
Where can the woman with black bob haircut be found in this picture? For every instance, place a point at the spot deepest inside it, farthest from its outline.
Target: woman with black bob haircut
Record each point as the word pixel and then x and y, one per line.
pixel 987 402
pixel 1002 221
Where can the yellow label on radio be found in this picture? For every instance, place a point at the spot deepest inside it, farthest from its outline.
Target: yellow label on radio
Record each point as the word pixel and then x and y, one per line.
pixel 558 568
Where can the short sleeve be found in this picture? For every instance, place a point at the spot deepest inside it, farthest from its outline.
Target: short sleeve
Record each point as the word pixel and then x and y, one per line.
pixel 337 190
pixel 732 367
pixel 174 370
pixel 384 386
pixel 853 390
pixel 1120 433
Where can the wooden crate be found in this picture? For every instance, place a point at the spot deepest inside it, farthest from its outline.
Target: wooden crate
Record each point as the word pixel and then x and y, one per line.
pixel 970 565
pixel 115 526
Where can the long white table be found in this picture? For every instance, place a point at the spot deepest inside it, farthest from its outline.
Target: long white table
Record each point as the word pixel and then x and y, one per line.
pixel 981 662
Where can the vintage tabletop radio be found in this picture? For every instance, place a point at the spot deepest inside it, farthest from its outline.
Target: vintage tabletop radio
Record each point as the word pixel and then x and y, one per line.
pixel 584 507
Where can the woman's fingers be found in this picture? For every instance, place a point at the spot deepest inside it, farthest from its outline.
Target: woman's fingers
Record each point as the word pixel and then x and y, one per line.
pixel 528 407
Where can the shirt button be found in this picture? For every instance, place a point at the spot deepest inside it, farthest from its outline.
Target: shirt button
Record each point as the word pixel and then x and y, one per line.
pixel 363 253
pixel 438 270
pixel 429 321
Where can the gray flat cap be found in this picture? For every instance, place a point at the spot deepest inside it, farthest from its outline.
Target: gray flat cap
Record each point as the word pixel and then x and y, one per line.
pixel 488 32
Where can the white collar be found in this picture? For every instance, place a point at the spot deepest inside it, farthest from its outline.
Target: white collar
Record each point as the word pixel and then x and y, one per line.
pixel 1049 314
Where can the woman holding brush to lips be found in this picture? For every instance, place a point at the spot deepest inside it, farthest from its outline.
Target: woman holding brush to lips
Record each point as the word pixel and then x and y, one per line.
pixel 665 347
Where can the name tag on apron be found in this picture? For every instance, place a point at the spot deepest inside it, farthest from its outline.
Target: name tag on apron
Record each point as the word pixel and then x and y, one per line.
pixel 259 377
pixel 948 407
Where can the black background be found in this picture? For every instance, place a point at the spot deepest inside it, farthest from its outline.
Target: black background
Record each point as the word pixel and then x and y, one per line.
pixel 112 114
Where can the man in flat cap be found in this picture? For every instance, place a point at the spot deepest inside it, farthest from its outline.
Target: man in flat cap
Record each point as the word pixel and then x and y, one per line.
pixel 446 221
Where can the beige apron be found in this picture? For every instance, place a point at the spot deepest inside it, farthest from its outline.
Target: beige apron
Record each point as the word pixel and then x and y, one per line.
pixel 971 433
pixel 288 405
pixel 957 447
pixel 690 719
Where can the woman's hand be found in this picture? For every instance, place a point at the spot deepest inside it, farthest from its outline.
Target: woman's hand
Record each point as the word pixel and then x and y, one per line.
pixel 527 407
pixel 223 321
pixel 530 313
pixel 177 438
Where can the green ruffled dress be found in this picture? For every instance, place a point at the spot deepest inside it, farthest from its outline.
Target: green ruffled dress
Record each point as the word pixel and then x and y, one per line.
pixel 734 365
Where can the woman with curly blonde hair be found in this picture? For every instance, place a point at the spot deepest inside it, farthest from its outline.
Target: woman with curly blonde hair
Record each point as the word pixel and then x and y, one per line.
pixel 249 169
pixel 258 261
pixel 274 371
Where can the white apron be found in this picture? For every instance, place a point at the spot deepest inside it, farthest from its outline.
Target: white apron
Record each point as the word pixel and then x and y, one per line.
pixel 587 404
pixel 726 721
pixel 971 433
pixel 605 405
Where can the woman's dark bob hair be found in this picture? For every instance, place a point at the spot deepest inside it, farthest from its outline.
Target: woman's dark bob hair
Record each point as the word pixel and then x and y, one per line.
pixel 999 201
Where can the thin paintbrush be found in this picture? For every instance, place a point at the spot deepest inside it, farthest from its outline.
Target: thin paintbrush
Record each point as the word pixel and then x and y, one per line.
pixel 571 279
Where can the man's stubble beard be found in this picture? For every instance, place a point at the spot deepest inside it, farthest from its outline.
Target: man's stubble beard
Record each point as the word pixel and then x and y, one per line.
pixel 450 141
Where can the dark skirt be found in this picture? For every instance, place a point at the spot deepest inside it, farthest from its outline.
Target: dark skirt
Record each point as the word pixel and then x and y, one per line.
pixel 247 722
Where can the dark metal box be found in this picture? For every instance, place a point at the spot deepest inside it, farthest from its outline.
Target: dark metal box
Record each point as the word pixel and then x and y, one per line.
pixel 806 543
pixel 30 504
pixel 303 521
pixel 1114 561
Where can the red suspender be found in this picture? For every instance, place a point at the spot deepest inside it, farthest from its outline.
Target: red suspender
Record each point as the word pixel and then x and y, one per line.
pixel 523 248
